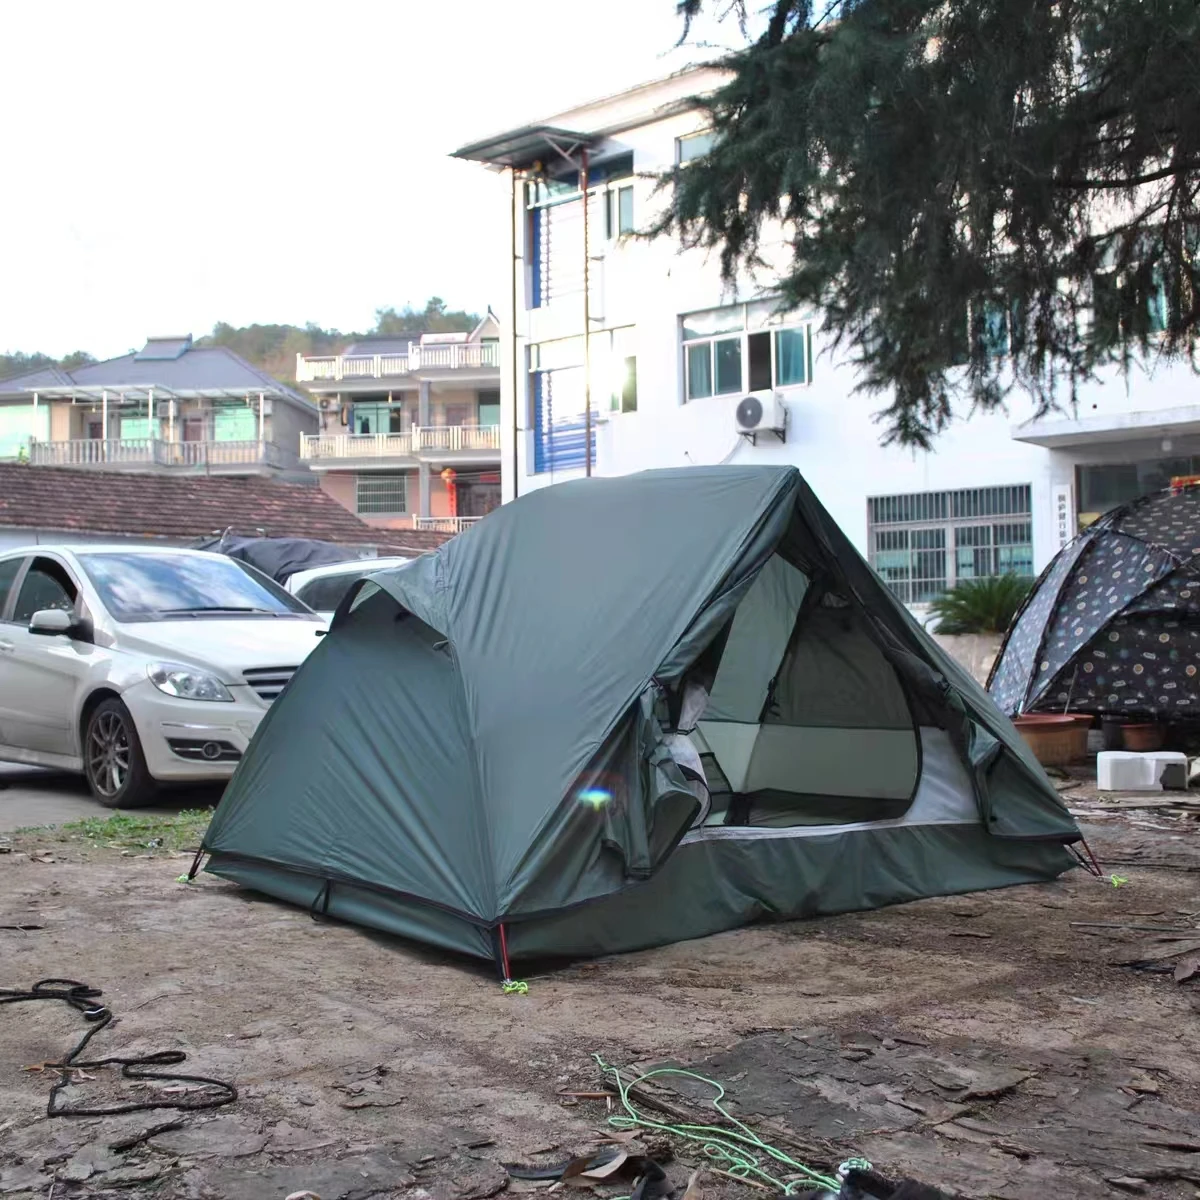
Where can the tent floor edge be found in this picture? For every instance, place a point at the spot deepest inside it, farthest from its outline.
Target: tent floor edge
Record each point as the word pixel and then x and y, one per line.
pixel 713 886
pixel 707 886
pixel 401 917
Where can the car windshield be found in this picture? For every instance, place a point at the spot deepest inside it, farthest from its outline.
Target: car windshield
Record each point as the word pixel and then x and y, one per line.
pixel 165 586
pixel 326 591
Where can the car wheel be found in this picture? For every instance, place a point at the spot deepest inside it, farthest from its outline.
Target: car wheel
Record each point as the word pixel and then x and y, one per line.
pixel 113 760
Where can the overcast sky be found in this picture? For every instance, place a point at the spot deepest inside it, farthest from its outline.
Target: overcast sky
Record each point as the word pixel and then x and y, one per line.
pixel 171 164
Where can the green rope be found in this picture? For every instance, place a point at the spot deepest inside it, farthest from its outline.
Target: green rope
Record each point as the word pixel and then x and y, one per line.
pixel 739 1151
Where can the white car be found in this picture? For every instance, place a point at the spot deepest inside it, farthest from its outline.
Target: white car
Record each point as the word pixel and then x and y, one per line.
pixel 140 665
pixel 322 588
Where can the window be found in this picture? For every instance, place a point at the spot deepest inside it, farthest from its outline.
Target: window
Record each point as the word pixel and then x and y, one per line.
pixel 18 424
pixel 695 145
pixel 745 347
pixel 489 408
pixel 46 585
pixel 618 211
pixel 379 417
pixel 791 356
pixel 625 210
pixel 994 329
pixel 997 326
pixel 614 369
pixel 162 586
pixel 136 428
pixel 1107 323
pixel 478 493
pixel 326 592
pixel 1106 486
pixel 235 423
pixel 8 576
pixel 625 400
pixel 555 228
pixel 923 544
pixel 382 494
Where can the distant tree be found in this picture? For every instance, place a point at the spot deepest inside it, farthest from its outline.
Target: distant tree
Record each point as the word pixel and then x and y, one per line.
pixel 77 358
pixel 273 348
pixel 955 178
pixel 22 364
pixel 434 318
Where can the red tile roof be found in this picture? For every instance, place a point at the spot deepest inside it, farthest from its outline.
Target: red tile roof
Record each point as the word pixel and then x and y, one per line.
pixel 169 506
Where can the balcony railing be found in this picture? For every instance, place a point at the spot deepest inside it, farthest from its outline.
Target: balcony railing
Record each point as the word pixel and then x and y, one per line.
pixel 454 438
pixel 444 524
pixel 356 445
pixel 153 452
pixel 451 356
pixel 428 440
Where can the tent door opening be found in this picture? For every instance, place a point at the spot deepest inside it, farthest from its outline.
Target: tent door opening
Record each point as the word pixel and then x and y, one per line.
pixel 807 722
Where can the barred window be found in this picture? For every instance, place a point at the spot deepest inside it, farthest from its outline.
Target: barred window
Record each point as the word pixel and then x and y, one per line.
pixel 922 544
pixel 382 494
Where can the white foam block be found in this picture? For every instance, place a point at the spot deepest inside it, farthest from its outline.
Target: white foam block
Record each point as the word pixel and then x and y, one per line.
pixel 1126 771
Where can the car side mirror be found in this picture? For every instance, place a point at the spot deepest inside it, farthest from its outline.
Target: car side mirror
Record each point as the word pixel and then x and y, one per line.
pixel 53 622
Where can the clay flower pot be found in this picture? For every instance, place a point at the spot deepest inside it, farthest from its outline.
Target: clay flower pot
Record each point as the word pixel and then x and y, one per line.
pixel 1055 739
pixel 1142 738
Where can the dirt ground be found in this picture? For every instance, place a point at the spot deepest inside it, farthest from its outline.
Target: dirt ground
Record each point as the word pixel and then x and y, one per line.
pixel 985 1044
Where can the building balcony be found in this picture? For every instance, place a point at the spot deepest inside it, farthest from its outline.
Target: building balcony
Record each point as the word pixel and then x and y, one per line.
pixel 154 453
pixel 440 440
pixel 452 356
pixel 440 444
pixel 445 524
pixel 336 448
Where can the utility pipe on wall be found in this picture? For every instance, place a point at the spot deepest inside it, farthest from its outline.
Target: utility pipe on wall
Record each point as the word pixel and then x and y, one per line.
pixel 587 322
pixel 513 319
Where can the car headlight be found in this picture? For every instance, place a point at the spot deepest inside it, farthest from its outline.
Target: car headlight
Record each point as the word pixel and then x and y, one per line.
pixel 187 683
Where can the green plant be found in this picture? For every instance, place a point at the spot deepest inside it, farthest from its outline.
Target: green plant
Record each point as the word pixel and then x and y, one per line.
pixel 161 832
pixel 985 605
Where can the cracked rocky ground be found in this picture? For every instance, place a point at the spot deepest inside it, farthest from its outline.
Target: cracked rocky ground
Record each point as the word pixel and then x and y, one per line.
pixel 982 1043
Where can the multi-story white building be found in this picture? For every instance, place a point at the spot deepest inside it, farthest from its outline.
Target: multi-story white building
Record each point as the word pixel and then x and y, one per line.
pixel 673 352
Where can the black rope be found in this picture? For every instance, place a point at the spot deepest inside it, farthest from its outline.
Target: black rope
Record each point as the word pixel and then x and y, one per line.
pixel 85 1000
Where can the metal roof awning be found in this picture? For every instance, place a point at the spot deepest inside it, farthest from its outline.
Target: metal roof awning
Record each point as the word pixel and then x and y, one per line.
pixel 134 393
pixel 521 148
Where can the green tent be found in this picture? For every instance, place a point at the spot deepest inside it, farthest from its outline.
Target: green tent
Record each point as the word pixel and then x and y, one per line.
pixel 486 750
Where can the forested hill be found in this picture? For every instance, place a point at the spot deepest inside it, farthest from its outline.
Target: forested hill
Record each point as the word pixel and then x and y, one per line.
pixel 273 348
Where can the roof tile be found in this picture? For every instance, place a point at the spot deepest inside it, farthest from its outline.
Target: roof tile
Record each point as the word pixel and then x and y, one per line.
pixel 145 505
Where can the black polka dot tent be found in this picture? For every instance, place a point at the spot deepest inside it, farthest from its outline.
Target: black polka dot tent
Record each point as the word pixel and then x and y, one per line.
pixel 1113 624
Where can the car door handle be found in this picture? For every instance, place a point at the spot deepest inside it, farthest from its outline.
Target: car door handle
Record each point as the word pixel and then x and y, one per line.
pixel 6 646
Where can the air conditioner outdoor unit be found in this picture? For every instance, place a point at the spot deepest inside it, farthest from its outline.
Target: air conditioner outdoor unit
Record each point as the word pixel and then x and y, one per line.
pixel 327 402
pixel 761 412
pixel 167 410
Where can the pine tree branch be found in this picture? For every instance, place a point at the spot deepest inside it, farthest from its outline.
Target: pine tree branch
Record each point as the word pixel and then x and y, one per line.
pixel 1179 169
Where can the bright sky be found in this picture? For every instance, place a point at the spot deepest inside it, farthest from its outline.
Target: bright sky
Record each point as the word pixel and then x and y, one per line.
pixel 169 165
